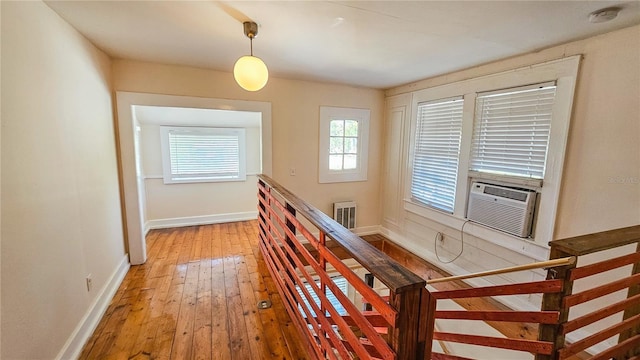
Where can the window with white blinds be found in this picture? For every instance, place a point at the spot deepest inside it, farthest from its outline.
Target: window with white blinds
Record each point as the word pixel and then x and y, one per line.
pixel 511 131
pixel 340 282
pixel 196 154
pixel 436 154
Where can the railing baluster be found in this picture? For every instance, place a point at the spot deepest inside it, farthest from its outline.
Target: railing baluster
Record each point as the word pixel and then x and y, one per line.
pixel 632 311
pixel 323 287
pixel 369 279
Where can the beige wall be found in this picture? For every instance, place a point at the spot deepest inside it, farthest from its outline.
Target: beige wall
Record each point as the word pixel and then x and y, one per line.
pixel 295 116
pixel 61 217
pixel 601 187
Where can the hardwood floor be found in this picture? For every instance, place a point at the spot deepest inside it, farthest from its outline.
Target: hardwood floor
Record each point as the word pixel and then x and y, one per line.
pixel 196 298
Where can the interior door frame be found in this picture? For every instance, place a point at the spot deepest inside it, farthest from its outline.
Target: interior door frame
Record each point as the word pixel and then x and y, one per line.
pixel 133 201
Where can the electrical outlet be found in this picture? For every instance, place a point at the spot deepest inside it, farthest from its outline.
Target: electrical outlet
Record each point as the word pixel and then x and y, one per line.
pixel 292 171
pixel 440 237
pixel 89 282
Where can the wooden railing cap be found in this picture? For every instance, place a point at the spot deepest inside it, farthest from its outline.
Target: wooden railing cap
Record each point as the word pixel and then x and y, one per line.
pixel 587 244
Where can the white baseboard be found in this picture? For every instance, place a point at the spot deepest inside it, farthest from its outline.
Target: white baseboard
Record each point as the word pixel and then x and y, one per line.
pixel 367 230
pixel 199 220
pixel 89 322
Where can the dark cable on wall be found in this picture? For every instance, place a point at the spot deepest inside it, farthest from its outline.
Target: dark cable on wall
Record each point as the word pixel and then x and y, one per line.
pixel 435 245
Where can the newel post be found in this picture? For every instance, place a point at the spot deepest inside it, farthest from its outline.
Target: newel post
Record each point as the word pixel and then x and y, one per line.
pixel 408 337
pixel 632 311
pixel 554 302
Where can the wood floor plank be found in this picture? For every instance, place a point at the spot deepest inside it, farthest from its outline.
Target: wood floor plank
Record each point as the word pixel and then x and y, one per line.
pixel 126 339
pixel 143 346
pixel 114 323
pixel 196 298
pixel 183 338
pixel 202 327
pixel 238 335
pixel 219 331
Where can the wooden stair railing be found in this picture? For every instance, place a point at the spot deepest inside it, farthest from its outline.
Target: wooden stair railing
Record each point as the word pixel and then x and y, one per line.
pixel 401 326
pixel 559 299
pixel 302 265
pixel 628 329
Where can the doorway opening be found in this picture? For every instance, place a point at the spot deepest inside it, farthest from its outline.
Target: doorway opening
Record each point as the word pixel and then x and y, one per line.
pixel 149 201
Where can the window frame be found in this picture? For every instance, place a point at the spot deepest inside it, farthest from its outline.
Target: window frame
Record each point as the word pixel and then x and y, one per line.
pixel 167 175
pixel 564 73
pixel 362 117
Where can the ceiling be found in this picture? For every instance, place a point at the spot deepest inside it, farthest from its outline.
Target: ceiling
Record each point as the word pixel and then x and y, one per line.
pixel 377 44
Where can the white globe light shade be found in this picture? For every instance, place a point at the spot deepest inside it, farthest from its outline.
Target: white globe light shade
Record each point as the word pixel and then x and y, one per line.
pixel 251 73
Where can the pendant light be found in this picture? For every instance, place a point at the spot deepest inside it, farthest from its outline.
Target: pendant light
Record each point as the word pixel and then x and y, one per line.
pixel 250 71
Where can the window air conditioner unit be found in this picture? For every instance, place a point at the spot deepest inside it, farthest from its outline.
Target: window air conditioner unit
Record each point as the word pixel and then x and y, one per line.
pixel 502 208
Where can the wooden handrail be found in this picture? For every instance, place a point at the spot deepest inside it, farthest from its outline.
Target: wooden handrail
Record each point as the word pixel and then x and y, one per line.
pixel 591 243
pixel 384 268
pixel 537 265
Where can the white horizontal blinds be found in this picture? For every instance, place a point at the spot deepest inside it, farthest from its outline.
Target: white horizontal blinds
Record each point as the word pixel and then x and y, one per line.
pixel 201 155
pixel 511 131
pixel 437 150
pixel 340 281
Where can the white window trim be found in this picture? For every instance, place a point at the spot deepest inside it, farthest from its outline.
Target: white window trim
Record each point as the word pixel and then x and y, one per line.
pixel 362 116
pixel 564 72
pixel 166 159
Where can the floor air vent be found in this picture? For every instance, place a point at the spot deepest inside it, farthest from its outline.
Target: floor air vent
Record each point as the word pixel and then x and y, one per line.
pixel 345 213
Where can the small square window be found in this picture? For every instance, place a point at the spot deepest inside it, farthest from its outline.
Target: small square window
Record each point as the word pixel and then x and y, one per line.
pixel 344 136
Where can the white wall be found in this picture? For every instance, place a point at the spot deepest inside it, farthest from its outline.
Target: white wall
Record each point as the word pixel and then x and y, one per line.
pixel 170 203
pixel 295 125
pixel 61 215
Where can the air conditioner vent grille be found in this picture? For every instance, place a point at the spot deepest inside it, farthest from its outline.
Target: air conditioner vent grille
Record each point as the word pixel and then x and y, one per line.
pixel 506 193
pixel 505 218
pixel 502 208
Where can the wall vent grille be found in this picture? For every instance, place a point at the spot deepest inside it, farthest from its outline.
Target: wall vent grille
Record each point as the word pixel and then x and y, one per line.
pixel 345 213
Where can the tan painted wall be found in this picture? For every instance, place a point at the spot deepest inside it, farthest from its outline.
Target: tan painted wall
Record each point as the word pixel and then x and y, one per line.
pixel 61 217
pixel 295 116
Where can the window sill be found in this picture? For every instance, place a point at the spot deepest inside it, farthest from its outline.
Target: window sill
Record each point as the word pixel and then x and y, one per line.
pixel 530 248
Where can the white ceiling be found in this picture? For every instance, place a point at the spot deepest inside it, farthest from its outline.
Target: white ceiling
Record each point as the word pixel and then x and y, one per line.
pixel 376 44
